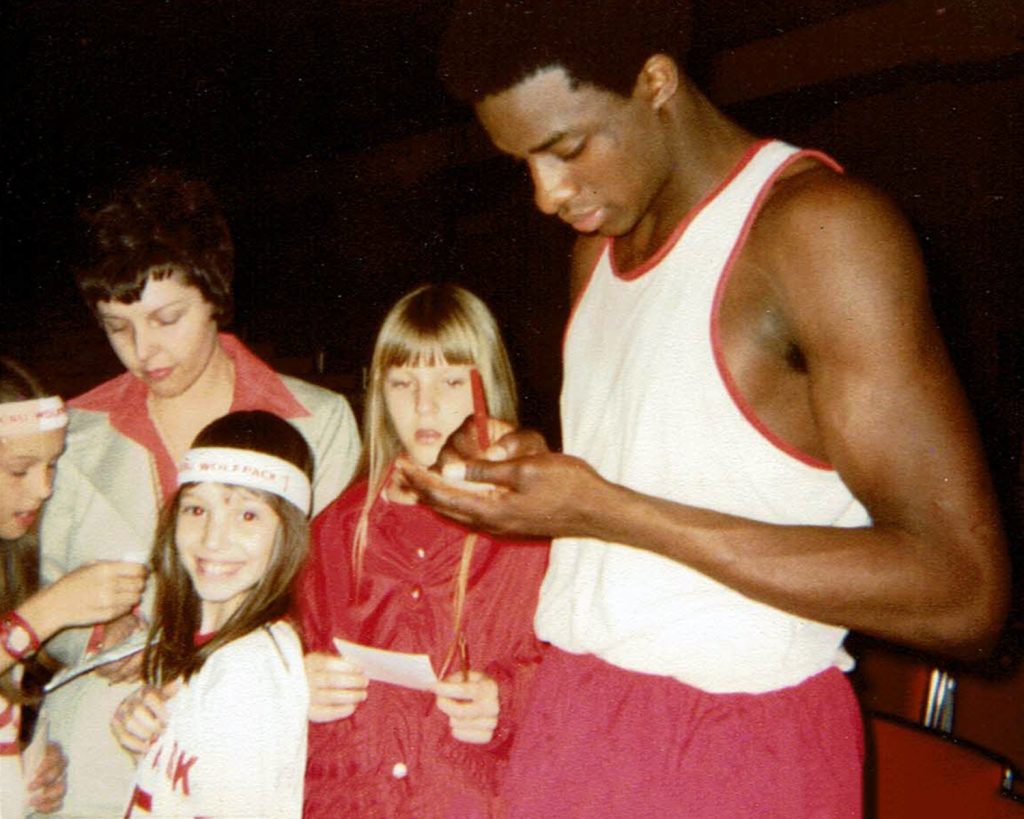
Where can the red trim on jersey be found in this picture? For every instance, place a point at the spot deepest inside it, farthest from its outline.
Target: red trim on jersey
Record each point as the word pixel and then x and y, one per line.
pixel 680 229
pixel 730 385
pixel 579 296
pixel 666 246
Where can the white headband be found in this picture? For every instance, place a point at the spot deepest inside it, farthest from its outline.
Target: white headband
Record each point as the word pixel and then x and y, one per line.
pixel 34 415
pixel 244 467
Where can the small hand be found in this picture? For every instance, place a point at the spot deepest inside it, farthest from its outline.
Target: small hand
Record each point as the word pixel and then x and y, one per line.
pixel 48 784
pixel 336 687
pixel 127 669
pixel 471 705
pixel 141 717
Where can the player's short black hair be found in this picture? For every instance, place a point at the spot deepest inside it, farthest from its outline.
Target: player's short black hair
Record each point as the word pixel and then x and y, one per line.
pixel 492 45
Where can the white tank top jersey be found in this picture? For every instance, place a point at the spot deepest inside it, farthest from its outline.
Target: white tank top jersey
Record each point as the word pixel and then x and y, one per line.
pixel 647 402
pixel 235 741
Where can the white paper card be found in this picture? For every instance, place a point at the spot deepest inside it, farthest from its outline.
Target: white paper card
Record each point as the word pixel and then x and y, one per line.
pixel 135 643
pixel 395 667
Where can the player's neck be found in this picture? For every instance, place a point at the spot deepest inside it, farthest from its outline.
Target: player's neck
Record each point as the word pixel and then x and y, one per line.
pixel 707 147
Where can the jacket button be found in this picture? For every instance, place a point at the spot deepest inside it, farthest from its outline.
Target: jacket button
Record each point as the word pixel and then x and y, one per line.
pixel 400 770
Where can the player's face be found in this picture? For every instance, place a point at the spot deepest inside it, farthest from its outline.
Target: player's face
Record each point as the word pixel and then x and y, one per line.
pixel 27 465
pixel 596 158
pixel 167 338
pixel 225 538
pixel 427 404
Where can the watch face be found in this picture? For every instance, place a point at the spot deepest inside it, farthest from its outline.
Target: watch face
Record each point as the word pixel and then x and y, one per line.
pixel 18 640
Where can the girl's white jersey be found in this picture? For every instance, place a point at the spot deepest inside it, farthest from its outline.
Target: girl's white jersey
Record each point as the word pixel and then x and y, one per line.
pixel 235 742
pixel 647 404
pixel 12 784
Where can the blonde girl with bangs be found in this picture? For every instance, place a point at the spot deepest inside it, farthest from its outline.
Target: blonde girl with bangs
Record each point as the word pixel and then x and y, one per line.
pixel 219 729
pixel 389 574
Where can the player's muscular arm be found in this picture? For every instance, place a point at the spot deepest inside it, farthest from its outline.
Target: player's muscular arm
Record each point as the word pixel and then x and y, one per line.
pixel 887 412
pixel 893 421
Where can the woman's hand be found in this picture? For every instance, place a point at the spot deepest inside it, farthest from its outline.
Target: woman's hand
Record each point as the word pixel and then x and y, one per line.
pixel 471 705
pixel 46 788
pixel 336 687
pixel 141 717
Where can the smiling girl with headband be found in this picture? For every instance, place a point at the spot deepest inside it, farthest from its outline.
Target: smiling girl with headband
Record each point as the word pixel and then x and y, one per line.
pixel 220 728
pixel 389 574
pixel 157 273
pixel 31 439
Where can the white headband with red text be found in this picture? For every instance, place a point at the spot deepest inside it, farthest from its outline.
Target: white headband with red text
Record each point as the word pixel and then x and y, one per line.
pixel 32 416
pixel 244 467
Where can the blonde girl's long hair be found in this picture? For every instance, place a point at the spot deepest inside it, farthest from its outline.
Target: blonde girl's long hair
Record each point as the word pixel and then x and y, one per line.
pixel 433 324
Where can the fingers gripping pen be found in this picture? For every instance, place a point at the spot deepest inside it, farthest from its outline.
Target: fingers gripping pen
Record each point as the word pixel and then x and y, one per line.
pixel 480 416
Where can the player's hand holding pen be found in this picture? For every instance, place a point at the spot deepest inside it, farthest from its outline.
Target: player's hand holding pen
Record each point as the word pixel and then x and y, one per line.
pixel 514 486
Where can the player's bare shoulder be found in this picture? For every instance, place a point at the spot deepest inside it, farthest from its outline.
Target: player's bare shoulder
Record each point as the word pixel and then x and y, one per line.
pixel 824 234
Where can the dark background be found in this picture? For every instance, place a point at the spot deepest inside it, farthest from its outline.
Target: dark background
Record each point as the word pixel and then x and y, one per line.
pixel 348 176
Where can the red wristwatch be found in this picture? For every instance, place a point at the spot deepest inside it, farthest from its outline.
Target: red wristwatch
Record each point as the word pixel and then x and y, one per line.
pixel 17 637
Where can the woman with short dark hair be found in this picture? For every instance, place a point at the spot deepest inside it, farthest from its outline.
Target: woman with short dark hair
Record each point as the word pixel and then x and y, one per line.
pixel 157 275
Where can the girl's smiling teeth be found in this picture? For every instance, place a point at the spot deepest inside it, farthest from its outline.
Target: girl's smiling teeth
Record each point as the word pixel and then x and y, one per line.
pixel 217 568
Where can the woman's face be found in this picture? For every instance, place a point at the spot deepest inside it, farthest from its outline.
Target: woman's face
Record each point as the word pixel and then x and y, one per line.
pixel 426 404
pixel 225 538
pixel 165 339
pixel 27 464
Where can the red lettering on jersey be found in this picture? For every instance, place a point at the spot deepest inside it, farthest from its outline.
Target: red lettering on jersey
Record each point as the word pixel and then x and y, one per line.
pixel 171 759
pixel 181 772
pixel 141 800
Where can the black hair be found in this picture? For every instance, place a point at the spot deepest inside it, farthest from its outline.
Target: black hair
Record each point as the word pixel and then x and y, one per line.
pixel 493 45
pixel 258 431
pixel 156 225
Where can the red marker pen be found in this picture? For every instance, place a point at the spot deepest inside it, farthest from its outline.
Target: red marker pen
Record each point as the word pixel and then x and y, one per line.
pixel 483 439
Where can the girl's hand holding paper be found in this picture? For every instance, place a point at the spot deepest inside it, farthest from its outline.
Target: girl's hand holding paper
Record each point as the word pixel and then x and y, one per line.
pixel 336 687
pixel 471 704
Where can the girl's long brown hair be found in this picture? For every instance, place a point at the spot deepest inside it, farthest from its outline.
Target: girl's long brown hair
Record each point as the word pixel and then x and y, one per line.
pixel 172 651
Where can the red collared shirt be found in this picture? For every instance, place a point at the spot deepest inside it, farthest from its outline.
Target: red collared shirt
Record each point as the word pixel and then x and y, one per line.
pixel 123 399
